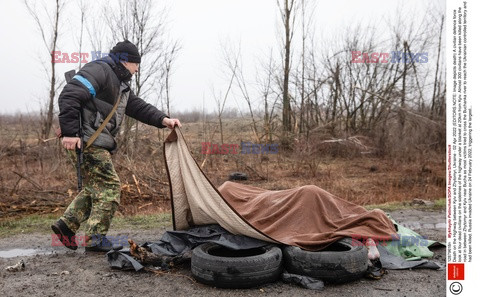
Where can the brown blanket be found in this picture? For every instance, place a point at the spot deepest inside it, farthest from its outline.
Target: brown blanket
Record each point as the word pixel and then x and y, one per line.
pixel 308 216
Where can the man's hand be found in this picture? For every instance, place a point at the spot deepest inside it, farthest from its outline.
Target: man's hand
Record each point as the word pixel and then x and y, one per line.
pixel 70 142
pixel 170 123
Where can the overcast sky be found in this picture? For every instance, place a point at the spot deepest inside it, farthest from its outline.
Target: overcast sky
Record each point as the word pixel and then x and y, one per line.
pixel 200 26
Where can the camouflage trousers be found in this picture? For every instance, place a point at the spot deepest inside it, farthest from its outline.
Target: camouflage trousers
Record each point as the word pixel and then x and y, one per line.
pixel 97 202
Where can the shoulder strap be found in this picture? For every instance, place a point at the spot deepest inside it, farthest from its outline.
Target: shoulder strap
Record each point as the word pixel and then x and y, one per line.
pixel 92 91
pixel 104 124
pixel 86 83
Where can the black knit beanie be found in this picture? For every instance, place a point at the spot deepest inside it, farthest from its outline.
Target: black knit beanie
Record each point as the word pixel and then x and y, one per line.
pixel 126 51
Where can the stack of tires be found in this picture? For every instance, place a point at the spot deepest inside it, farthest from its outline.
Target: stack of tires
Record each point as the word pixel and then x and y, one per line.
pixel 212 264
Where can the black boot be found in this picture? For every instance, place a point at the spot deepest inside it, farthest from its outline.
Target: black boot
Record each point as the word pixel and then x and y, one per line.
pixel 65 235
pixel 101 244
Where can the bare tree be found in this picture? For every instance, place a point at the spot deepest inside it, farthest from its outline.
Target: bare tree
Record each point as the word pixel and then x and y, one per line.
pixel 222 99
pixel 83 10
pixel 307 24
pixel 97 31
pixel 437 67
pixel 143 24
pixel 49 32
pixel 167 71
pixel 265 85
pixel 372 98
pixel 288 21
pixel 234 62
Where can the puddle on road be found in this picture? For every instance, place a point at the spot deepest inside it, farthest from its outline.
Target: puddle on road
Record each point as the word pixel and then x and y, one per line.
pixel 23 253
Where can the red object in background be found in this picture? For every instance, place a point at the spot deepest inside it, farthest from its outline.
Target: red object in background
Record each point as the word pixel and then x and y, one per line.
pixel 456 271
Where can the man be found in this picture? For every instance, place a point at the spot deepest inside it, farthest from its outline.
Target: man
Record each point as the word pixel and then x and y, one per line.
pixel 98 88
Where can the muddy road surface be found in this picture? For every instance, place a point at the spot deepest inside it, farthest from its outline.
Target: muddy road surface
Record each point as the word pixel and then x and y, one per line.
pixel 56 271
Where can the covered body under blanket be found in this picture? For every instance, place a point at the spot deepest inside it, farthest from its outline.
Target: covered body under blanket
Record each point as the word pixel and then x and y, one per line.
pixel 307 217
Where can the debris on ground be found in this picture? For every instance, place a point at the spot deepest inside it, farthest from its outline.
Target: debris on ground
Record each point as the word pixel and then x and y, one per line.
pixel 17 267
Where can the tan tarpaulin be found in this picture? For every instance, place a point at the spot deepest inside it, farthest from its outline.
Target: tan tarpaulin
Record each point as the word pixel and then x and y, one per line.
pixel 308 216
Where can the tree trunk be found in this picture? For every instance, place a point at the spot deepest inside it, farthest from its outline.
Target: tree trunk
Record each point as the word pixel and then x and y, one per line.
pixel 49 121
pixel 286 120
pixel 402 103
pixel 435 94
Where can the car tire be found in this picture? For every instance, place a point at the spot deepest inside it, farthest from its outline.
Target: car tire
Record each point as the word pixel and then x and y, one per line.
pixel 222 267
pixel 342 261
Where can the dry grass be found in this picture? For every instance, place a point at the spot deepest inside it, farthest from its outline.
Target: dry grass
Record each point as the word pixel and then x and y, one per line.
pixel 363 179
pixel 37 177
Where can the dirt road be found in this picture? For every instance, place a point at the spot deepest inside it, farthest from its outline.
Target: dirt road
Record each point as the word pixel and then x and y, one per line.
pixel 59 272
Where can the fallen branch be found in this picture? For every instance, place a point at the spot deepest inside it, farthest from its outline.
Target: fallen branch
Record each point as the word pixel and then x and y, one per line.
pixel 49 192
pixel 15 187
pixel 49 139
pixel 136 183
pixel 156 180
pixel 29 180
pixel 169 273
pixel 145 205
pixel 151 189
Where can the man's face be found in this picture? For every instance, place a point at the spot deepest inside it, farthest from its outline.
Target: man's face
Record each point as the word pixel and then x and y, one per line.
pixel 132 67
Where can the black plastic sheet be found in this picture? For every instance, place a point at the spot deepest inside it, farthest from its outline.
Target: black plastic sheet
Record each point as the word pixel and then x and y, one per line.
pixel 393 262
pixel 177 243
pixel 180 243
pixel 303 281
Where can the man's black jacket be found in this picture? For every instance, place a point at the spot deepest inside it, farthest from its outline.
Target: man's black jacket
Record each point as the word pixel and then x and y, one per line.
pixel 110 82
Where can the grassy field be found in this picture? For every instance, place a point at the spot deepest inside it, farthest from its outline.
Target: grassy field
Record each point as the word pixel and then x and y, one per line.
pixel 37 177
pixel 41 223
